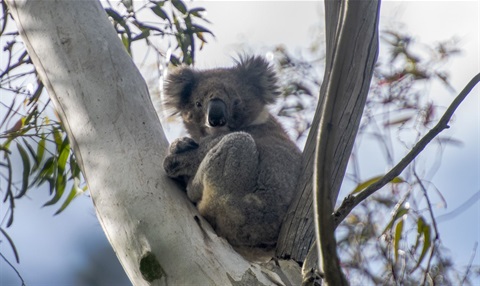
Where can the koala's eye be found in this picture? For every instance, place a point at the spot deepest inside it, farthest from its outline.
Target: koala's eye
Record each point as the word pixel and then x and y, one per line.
pixel 198 104
pixel 236 102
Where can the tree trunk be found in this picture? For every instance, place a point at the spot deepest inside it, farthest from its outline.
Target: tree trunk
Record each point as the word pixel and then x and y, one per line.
pixel 104 104
pixel 350 88
pixel 105 107
pixel 345 89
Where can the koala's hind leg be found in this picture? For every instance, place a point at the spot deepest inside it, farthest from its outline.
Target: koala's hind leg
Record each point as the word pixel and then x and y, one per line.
pixel 227 172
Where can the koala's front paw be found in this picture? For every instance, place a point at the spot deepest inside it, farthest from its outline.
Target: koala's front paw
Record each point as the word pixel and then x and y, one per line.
pixel 173 166
pixel 181 145
pixel 181 160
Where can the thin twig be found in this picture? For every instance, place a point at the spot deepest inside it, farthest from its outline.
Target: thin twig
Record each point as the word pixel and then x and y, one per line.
pixel 14 269
pixel 430 210
pixel 352 201
pixel 429 204
pixel 470 264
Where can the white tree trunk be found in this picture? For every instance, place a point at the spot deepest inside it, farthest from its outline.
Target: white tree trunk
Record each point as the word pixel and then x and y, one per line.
pixel 105 107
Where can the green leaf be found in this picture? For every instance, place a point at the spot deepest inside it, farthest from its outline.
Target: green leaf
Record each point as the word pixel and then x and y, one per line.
pixel 200 29
pixel 74 192
pixel 180 6
pixel 74 168
pixel 31 115
pixel 26 171
pixel 196 11
pixel 398 236
pixel 144 34
pixel 367 183
pixel 51 184
pixel 400 213
pixel 10 241
pixel 31 151
pixel 63 156
pixel 8 193
pixel 46 172
pixel 115 16
pixel 60 184
pixel 178 26
pixel 174 60
pixel 423 230
pixel 420 223
pixel 57 138
pixel 126 43
pixel 160 3
pixel 397 180
pixel 6 145
pixel 126 34
pixel 160 12
pixel 128 4
pixel 40 152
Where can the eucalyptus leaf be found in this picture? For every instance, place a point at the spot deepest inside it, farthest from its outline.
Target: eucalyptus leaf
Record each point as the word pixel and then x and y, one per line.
pixel 57 136
pixel 144 34
pixel 74 192
pixel 399 214
pixel 200 29
pixel 26 171
pixel 126 44
pixel 362 186
pixel 59 187
pixel 12 245
pixel 180 6
pixel 160 12
pixel 63 155
pixel 31 151
pixel 40 151
pixel 425 232
pixel 9 194
pixel 397 238
pixel 115 16
pixel 46 171
pixel 74 168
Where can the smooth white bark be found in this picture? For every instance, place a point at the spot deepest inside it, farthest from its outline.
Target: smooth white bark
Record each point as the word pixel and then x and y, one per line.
pixel 105 106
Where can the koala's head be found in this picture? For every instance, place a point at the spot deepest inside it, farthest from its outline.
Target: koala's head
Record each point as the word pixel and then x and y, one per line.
pixel 223 99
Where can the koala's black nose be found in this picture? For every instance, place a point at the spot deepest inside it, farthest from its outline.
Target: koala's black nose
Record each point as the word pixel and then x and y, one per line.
pixel 217 113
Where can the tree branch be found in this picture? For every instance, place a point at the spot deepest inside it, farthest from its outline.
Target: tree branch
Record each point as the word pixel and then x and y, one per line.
pixel 14 269
pixel 347 52
pixel 103 101
pixel 297 234
pixel 352 201
pixel 432 217
pixel 469 265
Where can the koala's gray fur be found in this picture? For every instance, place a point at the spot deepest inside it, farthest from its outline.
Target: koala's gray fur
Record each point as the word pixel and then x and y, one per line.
pixel 240 168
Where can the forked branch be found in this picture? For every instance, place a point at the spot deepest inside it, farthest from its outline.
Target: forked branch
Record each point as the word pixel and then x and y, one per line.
pixel 352 201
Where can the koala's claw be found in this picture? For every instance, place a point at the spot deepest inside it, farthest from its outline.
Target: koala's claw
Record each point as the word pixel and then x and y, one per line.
pixel 183 145
pixel 172 166
pixel 181 159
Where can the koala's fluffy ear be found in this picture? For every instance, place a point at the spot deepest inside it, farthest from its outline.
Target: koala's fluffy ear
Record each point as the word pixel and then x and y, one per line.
pixel 178 88
pixel 257 72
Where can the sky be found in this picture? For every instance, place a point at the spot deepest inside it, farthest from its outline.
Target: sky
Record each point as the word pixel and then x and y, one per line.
pixel 459 175
pixel 53 249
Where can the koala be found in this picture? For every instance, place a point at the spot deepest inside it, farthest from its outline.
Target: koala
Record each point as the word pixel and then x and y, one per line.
pixel 240 167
